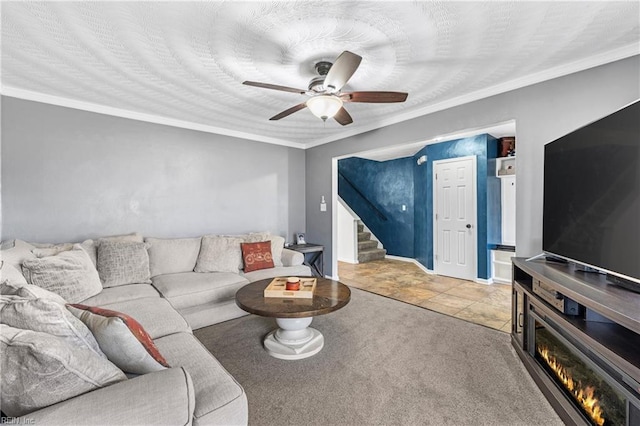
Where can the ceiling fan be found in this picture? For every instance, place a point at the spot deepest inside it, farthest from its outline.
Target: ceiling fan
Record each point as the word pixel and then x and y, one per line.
pixel 326 99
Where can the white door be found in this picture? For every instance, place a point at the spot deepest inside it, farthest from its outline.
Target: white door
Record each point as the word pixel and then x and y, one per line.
pixel 455 236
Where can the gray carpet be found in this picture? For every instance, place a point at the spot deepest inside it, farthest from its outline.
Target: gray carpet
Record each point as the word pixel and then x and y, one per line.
pixel 384 363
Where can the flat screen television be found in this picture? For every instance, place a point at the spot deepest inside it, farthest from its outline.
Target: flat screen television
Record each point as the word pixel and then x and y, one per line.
pixel 592 197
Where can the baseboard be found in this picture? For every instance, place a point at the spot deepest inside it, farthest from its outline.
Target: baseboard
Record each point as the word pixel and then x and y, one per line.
pixel 410 260
pixel 485 281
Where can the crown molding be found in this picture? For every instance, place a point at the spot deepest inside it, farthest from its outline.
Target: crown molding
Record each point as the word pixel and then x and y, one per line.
pixel 518 83
pixel 15 92
pixel 556 72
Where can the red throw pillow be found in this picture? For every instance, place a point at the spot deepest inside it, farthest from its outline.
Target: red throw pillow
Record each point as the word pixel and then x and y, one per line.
pixel 256 256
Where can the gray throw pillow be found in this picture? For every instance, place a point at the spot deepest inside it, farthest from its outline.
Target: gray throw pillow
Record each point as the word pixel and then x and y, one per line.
pixel 11 274
pixel 47 316
pixel 70 274
pixel 123 262
pixel 38 370
pixel 29 291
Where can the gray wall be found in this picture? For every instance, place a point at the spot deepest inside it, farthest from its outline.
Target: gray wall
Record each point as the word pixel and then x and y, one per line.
pixel 69 175
pixel 543 112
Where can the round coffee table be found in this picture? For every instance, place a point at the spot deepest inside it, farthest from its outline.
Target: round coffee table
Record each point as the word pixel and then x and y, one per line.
pixel 294 339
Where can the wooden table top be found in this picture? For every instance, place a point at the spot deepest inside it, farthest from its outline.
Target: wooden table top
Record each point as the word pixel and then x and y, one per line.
pixel 329 296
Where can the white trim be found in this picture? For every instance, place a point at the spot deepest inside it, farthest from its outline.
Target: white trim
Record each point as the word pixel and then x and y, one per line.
pixel 556 72
pixel 487 281
pixel 334 215
pixel 474 185
pixel 133 115
pixel 411 260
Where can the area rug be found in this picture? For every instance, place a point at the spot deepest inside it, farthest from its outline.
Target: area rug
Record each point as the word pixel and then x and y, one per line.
pixel 384 363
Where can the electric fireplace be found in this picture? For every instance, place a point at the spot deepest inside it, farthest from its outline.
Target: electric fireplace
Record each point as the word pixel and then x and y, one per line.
pixel 584 381
pixel 579 338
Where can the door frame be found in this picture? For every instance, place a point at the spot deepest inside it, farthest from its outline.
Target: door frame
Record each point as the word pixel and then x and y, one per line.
pixel 474 187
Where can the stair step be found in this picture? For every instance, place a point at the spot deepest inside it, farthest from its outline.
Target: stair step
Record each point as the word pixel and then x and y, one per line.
pixel 360 227
pixel 366 245
pixel 364 236
pixel 371 255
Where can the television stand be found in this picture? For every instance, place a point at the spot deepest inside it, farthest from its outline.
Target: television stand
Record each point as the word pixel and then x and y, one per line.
pixel 596 344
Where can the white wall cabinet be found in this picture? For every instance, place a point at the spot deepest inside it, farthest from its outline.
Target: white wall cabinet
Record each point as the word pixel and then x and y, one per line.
pixel 508 204
pixel 506 171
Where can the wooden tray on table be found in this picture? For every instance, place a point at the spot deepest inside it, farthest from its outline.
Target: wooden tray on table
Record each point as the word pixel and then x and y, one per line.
pixel 277 288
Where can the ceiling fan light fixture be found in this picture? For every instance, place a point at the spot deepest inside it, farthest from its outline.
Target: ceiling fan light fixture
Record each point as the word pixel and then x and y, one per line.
pixel 324 106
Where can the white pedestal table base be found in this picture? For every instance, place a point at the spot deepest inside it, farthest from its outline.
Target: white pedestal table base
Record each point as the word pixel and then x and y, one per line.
pixel 294 339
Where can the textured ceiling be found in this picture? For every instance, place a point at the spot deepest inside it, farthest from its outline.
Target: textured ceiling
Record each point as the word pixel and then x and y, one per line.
pixel 183 63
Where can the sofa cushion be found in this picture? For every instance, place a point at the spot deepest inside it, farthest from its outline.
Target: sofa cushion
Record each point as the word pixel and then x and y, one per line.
pixel 256 256
pixel 173 255
pixel 29 291
pixel 11 274
pixel 69 274
pixel 123 262
pixel 278 271
pixel 39 369
pixel 121 293
pixel 155 314
pixel 47 316
pixel 122 339
pixel 219 254
pixel 216 390
pixel 192 288
pixel 162 398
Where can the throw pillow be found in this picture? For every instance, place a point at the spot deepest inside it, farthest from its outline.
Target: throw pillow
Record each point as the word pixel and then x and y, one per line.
pixel 173 255
pixel 51 250
pixel 69 274
pixel 219 254
pixel 256 256
pixel 123 262
pixel 277 244
pixel 47 316
pixel 39 370
pixel 9 273
pixel 122 339
pixel 29 291
pixel 14 252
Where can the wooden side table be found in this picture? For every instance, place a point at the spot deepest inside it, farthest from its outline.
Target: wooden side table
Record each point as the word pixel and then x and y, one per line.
pixel 313 257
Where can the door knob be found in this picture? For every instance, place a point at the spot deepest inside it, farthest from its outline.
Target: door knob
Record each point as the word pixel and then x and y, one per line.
pixel 468 226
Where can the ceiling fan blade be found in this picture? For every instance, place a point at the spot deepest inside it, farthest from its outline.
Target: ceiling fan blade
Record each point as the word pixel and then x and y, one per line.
pixel 289 111
pixel 343 117
pixel 374 97
pixel 274 87
pixel 341 71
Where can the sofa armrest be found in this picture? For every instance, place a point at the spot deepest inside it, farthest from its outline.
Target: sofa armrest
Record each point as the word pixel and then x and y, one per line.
pixel 162 397
pixel 292 257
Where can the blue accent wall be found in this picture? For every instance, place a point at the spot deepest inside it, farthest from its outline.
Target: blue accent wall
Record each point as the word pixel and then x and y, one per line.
pixel 387 185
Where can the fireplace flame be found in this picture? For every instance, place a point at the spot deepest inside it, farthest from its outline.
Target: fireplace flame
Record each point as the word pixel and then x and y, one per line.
pixel 584 395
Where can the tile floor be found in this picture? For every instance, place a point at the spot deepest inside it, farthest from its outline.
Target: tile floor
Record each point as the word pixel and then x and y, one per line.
pixel 488 305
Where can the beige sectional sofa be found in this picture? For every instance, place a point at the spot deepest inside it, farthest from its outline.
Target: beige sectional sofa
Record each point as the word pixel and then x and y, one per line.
pixel 196 389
